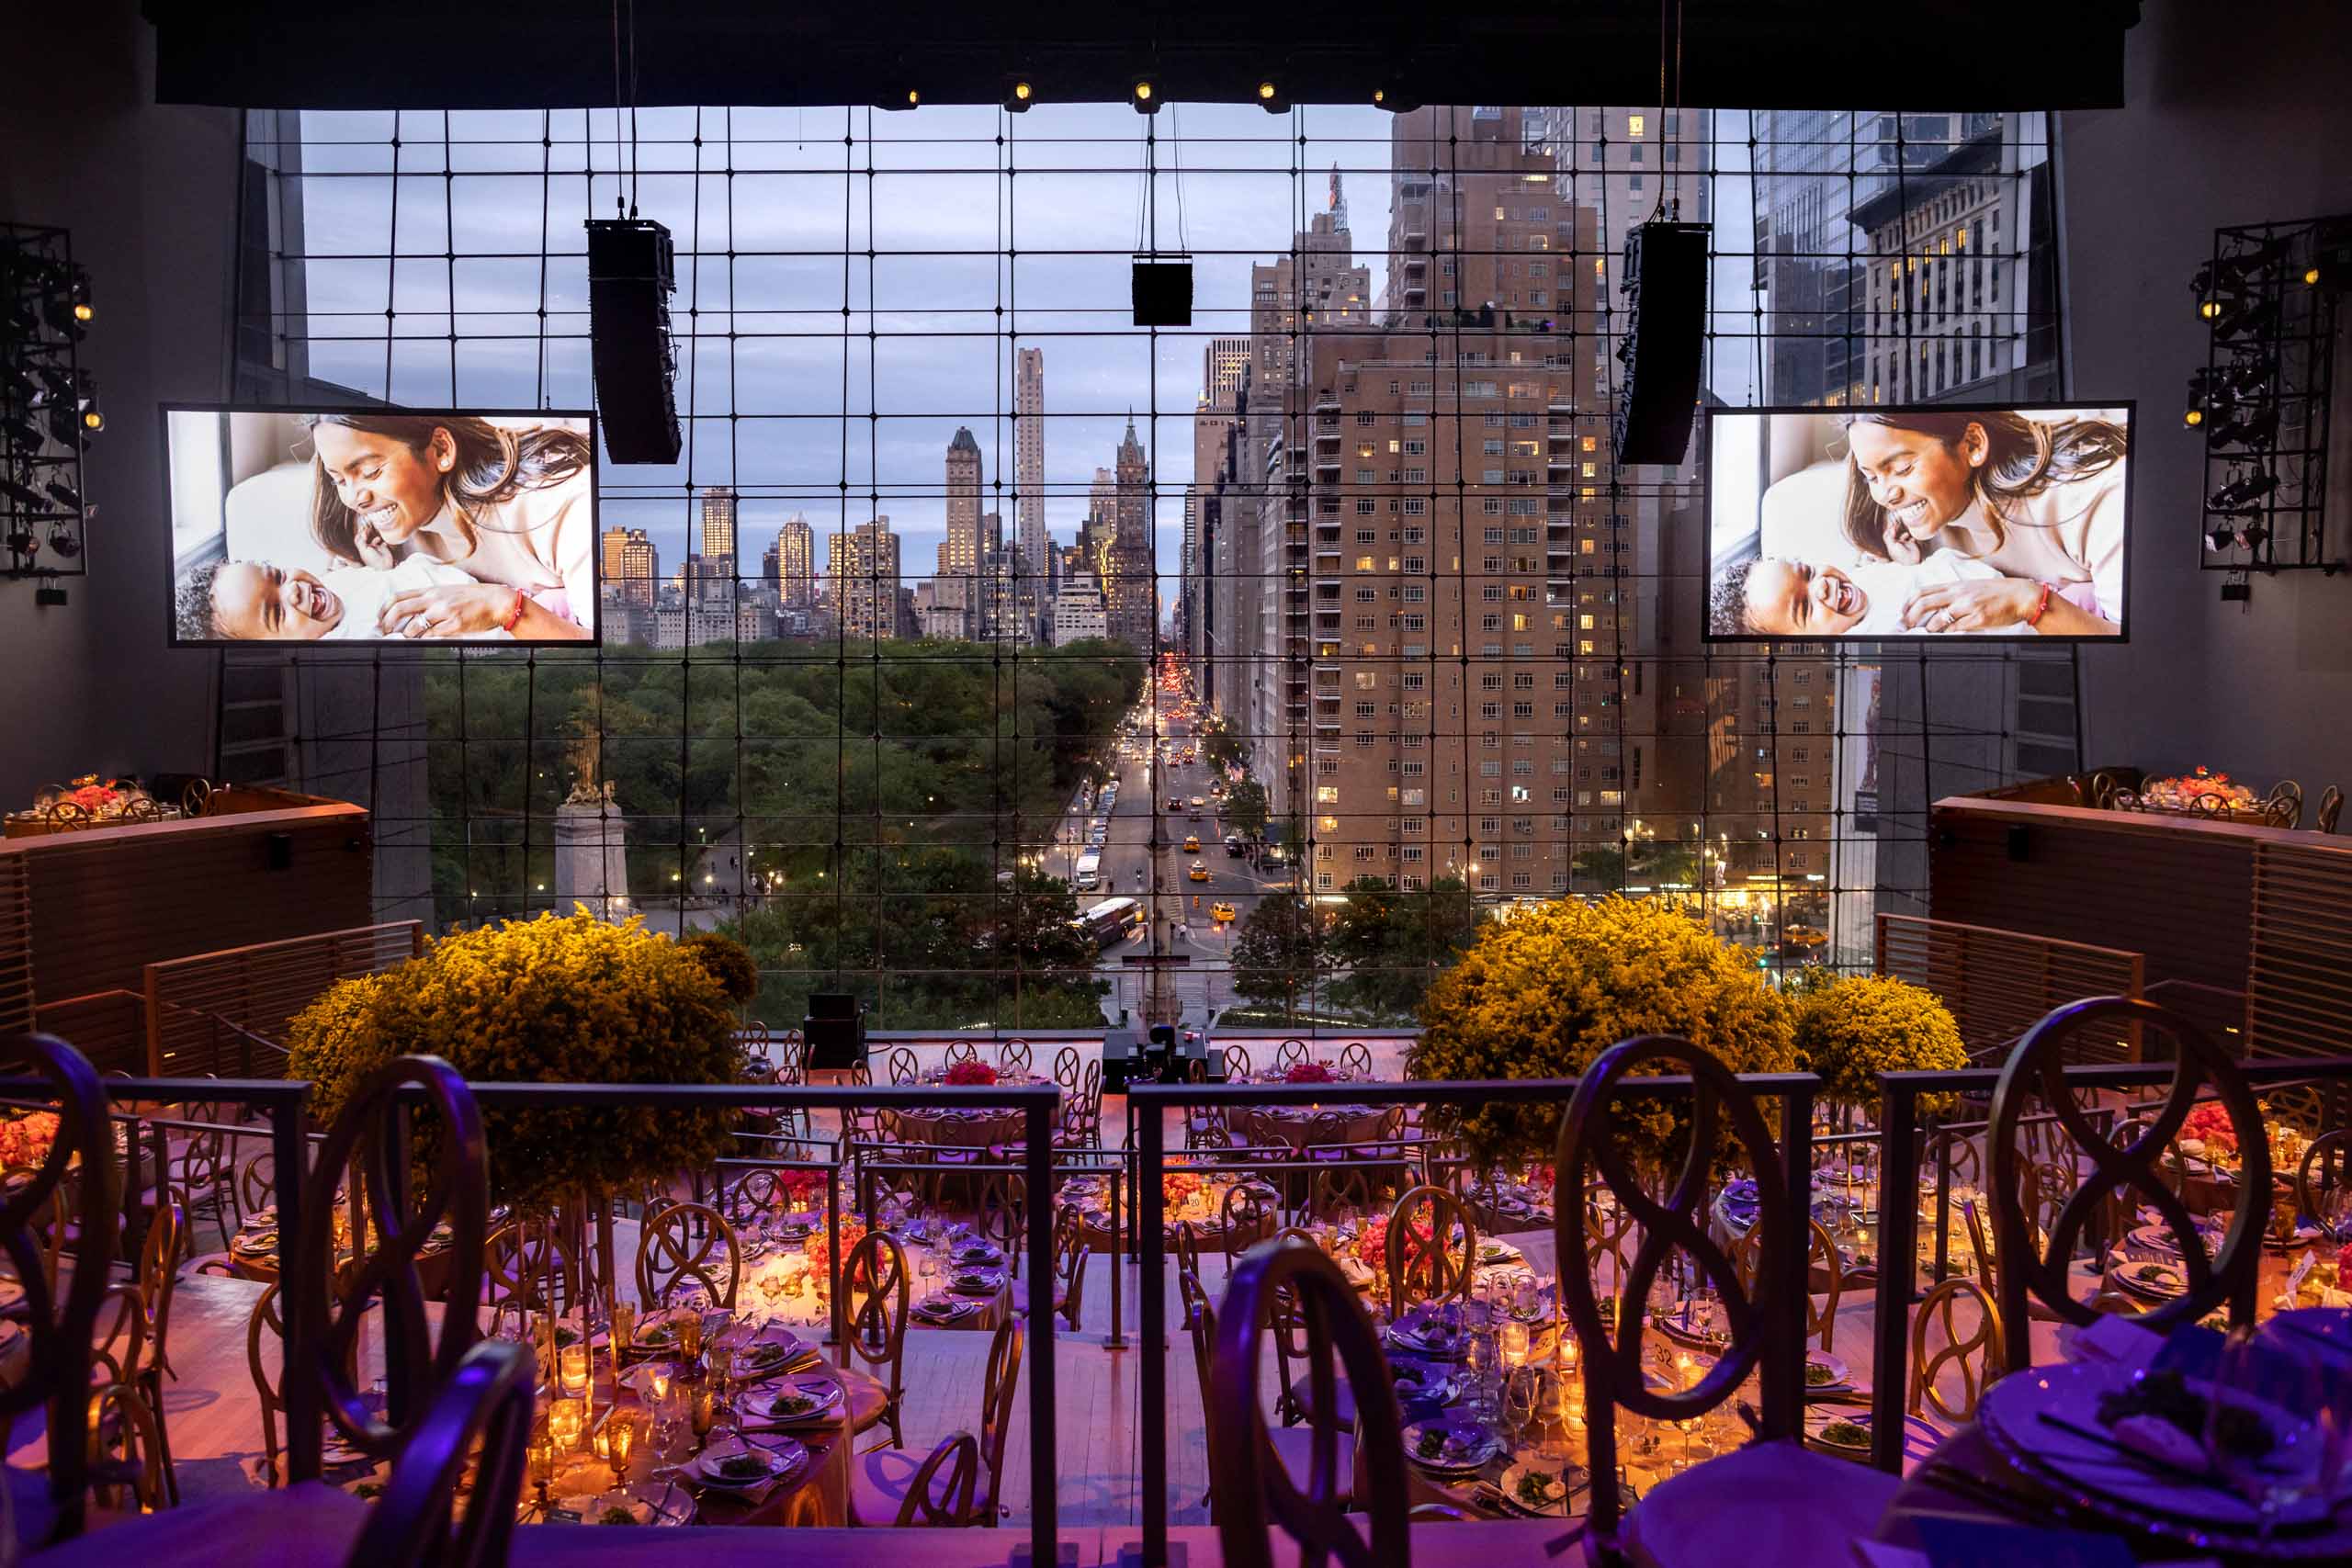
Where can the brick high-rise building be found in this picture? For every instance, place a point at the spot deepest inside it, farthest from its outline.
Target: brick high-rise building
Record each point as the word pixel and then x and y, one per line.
pixel 717 518
pixel 630 567
pixel 1131 591
pixel 863 565
pixel 1029 460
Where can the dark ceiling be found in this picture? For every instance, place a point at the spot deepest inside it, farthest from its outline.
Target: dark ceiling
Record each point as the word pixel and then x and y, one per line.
pixel 1928 54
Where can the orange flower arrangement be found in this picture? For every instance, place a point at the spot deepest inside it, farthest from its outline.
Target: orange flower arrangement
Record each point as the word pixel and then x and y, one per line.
pixel 819 1248
pixel 26 1140
pixel 2209 1123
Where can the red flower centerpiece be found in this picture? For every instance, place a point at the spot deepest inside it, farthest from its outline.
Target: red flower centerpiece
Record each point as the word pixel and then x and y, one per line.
pixel 799 1189
pixel 24 1140
pixel 2210 1123
pixel 1177 1189
pixel 818 1249
pixel 969 1075
pixel 1309 1072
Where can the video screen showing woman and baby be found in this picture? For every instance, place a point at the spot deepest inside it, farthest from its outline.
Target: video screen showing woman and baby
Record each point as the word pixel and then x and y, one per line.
pixel 381 526
pixel 1889 524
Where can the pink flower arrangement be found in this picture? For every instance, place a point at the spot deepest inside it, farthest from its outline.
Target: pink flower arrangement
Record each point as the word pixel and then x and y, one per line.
pixel 969 1075
pixel 26 1140
pixel 1308 1072
pixel 818 1249
pixel 2344 1268
pixel 2209 1123
pixel 1176 1190
pixel 799 1185
pixel 1372 1240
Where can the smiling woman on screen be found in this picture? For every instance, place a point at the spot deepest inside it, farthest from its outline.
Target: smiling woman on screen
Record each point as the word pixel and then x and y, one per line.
pixel 510 506
pixel 2038 500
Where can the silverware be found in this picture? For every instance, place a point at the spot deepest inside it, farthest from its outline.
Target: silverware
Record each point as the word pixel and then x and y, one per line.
pixel 2148 1461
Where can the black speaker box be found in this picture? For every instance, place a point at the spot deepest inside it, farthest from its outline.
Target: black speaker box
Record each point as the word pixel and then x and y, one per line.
pixel 1163 294
pixel 1665 286
pixel 834 1030
pixel 631 272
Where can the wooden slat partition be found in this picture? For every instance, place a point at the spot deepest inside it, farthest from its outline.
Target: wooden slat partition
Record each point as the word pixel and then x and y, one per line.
pixel 1999 983
pixel 16 947
pixel 196 1007
pixel 109 1027
pixel 2299 983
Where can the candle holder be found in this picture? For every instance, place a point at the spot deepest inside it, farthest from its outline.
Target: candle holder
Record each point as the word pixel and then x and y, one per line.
pixel 566 1419
pixel 573 1361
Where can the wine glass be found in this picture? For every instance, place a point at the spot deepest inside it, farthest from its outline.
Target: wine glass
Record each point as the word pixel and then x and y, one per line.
pixel 1522 1404
pixel 2244 1417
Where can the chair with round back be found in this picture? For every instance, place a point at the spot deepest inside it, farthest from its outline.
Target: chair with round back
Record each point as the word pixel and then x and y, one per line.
pixel 530 1269
pixel 2327 1202
pixel 1609 1232
pixel 382 1289
pixel 1356 1061
pixel 1070 1252
pixel 2030 1271
pixel 1290 1053
pixel 671 1254
pixel 1301 1480
pixel 1243 1219
pixel 1014 1057
pixel 134 1347
pixel 1424 1262
pixel 934 1493
pixel 901 1066
pixel 875 1279
pixel 1983 1342
pixel 265 1329
pixel 130 1467
pixel 1334 1189
pixel 2331 809
pixel 1237 1062
pixel 962 1051
pixel 1691 1518
pixel 56 1371
pixel 1065 1067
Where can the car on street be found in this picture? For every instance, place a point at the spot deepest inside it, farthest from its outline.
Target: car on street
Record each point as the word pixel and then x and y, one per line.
pixel 1235 846
pixel 1192 843
pixel 1221 913
pixel 1200 872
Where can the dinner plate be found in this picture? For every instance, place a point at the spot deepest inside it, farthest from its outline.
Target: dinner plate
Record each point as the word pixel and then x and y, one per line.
pixel 2117 1484
pixel 761 1355
pixel 1707 1327
pixel 2151 1280
pixel 1424 1385
pixel 779 1460
pixel 1464 1447
pixel 11 1292
pixel 1428 1338
pixel 1559 1486
pixel 971 1283
pixel 1492 1252
pixel 1819 1419
pixel 944 1307
pixel 824 1396
pixel 978 1256
pixel 1841 1375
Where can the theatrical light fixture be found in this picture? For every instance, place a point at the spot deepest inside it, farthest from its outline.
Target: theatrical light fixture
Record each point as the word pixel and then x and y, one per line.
pixel 65 495
pixel 2245 317
pixel 2256 429
pixel 79 293
pixel 1393 97
pixel 1146 97
pixel 1271 99
pixel 2241 492
pixel 2222 536
pixel 2311 276
pixel 1017 97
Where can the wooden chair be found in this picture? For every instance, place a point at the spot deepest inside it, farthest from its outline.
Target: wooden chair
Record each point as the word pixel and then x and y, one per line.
pixel 530 1269
pixel 885 1480
pixel 1013 1056
pixel 1424 1262
pixel 2038 1271
pixel 1243 1219
pixel 961 1051
pixel 901 1066
pixel 670 1254
pixel 1207 1127
pixel 1355 1060
pixel 1066 1061
pixel 256 1184
pixel 130 1467
pixel 1001 1213
pixel 934 1493
pixel 1961 1149
pixel 1983 1343
pixel 203 1173
pixel 876 1278
pixel 1348 1187
pixel 2329 1157
pixel 1070 1265
pixel 1188 1257
pixel 1609 1232
pixel 1237 1062
pixel 1304 1479
pixel 134 1348
pixel 58 1359
pixel 1290 1053
pixel 1693 1518
pixel 265 1331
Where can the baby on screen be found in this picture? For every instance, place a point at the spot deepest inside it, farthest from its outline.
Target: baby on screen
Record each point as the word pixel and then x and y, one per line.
pixel 1766 596
pixel 255 600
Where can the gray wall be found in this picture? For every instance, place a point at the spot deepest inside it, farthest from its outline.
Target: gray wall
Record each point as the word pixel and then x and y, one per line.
pixel 150 195
pixel 2238 119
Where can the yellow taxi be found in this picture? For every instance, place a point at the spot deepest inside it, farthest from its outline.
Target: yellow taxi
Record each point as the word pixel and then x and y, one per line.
pixel 1192 844
pixel 1200 872
pixel 1221 913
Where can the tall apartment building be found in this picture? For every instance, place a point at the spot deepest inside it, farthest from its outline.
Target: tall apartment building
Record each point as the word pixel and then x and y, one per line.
pixel 1131 589
pixel 717 518
pixel 863 565
pixel 630 567
pixel 1029 460
pixel 795 569
pixel 1225 366
pixel 1079 610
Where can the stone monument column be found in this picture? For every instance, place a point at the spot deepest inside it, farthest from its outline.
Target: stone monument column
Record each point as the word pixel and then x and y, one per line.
pixel 592 853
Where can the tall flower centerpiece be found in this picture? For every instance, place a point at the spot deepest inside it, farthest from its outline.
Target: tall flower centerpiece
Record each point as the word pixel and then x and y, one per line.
pixel 1851 1028
pixel 556 999
pixel 1308 1072
pixel 1541 994
pixel 974 1074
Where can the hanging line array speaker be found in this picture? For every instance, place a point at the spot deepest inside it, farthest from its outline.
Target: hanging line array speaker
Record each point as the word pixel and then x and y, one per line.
pixel 1666 289
pixel 632 270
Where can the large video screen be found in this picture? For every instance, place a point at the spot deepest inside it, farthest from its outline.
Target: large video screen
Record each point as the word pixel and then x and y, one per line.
pixel 381 526
pixel 1885 523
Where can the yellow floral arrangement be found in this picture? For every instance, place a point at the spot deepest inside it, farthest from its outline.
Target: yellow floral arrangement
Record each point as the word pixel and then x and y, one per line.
pixel 1541 994
pixel 556 999
pixel 1851 1028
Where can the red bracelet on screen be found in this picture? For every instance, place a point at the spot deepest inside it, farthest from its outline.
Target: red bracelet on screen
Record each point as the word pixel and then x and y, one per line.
pixel 514 615
pixel 2039 605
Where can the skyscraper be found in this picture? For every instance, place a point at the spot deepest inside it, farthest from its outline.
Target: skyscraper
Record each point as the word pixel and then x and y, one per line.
pixel 719 531
pixel 1029 458
pixel 796 550
pixel 629 566
pixel 863 567
pixel 1130 593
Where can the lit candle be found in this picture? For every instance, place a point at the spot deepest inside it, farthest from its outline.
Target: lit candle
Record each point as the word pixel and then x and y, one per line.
pixel 575 1368
pixel 657 1382
pixel 1511 1339
pixel 621 1437
pixel 563 1422
pixel 1686 1372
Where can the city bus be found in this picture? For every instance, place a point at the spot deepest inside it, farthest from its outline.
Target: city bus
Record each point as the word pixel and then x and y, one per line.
pixel 1088 875
pixel 1111 919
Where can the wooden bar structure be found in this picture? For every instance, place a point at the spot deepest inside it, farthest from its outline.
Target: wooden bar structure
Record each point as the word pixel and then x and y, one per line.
pixel 2217 906
pixel 1999 983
